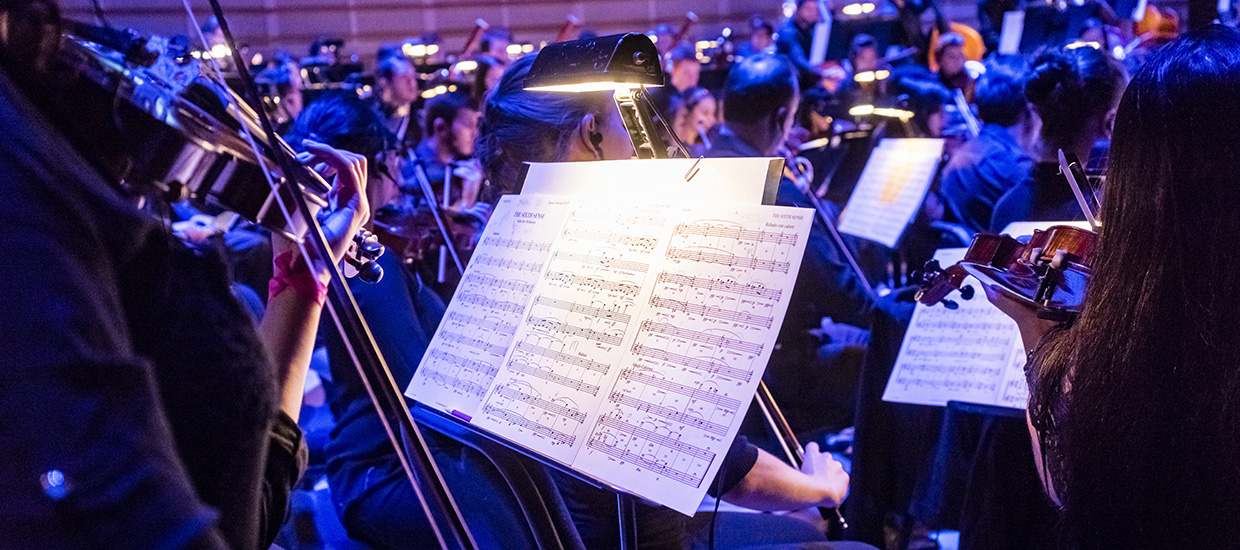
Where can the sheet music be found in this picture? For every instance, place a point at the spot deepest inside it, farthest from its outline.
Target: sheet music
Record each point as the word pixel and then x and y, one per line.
pixel 478 327
pixel 891 189
pixel 569 343
pixel 633 336
pixel 1013 29
pixel 703 340
pixel 972 354
pixel 723 179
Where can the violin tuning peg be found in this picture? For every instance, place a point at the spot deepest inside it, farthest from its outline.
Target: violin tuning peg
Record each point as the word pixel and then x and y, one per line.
pixel 370 272
pixel 372 249
pixel 949 304
pixel 967 292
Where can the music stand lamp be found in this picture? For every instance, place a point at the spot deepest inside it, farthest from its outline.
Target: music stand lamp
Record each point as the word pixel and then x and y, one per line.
pixel 626 64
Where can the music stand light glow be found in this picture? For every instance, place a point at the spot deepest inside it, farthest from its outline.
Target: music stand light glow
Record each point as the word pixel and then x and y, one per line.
pixel 625 64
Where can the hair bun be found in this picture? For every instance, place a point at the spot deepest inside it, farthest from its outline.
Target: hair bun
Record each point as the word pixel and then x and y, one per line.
pixel 1051 71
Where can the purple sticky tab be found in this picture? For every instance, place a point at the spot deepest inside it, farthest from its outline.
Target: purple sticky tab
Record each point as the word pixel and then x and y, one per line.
pixel 461 415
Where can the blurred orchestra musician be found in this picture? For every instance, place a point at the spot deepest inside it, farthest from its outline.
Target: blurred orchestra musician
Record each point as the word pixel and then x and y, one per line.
pixel 951 64
pixel 686 69
pixel 759 107
pixel 761 39
pixel 795 40
pixel 695 117
pixel 863 59
pixel 495 43
pixel 986 167
pixel 282 92
pixel 396 86
pixel 1074 92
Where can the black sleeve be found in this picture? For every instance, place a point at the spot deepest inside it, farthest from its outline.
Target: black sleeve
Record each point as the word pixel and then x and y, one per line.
pixel 89 458
pixel 788 45
pixel 736 465
pixel 287 458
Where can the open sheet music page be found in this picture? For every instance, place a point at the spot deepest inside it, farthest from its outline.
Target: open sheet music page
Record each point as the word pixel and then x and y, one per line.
pixel 972 354
pixel 891 189
pixel 1013 29
pixel 624 340
pixel 722 179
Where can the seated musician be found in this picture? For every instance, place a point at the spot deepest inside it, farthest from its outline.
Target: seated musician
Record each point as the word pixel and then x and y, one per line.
pixel 760 102
pixel 863 57
pixel 952 72
pixel 761 39
pixel 686 69
pixel 1133 405
pixel 451 127
pixel 373 497
pixel 396 89
pixel 1074 93
pixel 522 126
pixel 796 38
pixel 989 165
pixel 143 407
pixel 696 116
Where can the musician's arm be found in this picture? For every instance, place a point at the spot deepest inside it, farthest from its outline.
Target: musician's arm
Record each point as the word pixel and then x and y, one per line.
pixel 291 322
pixel 773 485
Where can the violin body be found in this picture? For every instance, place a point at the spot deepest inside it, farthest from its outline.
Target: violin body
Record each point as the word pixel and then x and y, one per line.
pixel 152 138
pixel 412 233
pixel 1049 271
pixel 174 142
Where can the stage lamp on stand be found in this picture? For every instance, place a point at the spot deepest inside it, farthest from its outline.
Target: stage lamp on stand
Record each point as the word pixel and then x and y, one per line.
pixel 624 63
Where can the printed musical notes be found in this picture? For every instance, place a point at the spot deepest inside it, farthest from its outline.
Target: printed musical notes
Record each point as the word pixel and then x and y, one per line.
pixel 728 231
pixel 972 354
pixel 623 340
pixel 477 331
pixel 891 189
pixel 712 311
pixel 517 244
pixel 706 283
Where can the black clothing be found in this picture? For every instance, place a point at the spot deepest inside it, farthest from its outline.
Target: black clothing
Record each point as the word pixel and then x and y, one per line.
pixel 979 174
pixel 372 495
pixel 128 369
pixel 1044 196
pixel 795 42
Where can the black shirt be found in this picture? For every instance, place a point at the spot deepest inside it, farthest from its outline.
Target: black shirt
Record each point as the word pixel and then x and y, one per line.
pixel 129 370
pixel 1044 196
pixel 980 173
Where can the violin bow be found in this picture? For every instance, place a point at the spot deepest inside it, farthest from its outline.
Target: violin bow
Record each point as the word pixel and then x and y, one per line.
pixel 446 520
pixel 1067 169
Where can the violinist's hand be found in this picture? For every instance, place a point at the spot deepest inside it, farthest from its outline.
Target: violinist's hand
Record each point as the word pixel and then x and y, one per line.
pixel 470 173
pixel 1032 328
pixel 828 471
pixel 349 208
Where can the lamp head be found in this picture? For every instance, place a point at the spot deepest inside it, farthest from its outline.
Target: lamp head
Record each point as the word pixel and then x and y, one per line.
pixel 596 64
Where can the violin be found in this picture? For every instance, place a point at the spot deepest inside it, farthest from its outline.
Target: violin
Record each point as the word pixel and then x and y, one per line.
pixel 1049 270
pixel 174 142
pixel 411 232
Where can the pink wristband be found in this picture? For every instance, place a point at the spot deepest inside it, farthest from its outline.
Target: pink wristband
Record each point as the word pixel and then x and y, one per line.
pixel 291 272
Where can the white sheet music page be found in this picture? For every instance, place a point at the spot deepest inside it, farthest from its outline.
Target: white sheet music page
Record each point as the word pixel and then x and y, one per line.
pixel 566 351
pixel 622 339
pixel 972 354
pixel 477 329
pixel 891 189
pixel 700 347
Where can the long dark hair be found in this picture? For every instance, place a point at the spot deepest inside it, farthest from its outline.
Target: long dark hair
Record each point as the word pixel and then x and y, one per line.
pixel 521 126
pixel 1139 402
